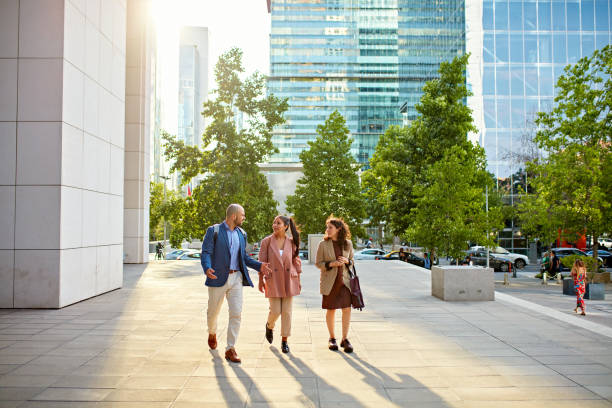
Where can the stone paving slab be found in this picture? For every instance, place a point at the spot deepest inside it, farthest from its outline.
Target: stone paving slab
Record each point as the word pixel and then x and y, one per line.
pixel 145 346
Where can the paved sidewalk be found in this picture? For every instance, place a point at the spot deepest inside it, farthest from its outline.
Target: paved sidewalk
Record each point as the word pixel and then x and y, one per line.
pixel 145 346
pixel 551 296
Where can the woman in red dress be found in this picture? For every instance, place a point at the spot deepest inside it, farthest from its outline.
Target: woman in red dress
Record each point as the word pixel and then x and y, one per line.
pixel 580 278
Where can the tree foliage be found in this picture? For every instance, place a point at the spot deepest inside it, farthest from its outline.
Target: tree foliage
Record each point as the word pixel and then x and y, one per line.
pixel 403 155
pixel 228 165
pixel 330 184
pixel 450 206
pixel 573 178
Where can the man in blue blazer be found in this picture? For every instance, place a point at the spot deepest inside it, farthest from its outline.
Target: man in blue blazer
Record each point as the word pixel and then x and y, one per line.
pixel 225 263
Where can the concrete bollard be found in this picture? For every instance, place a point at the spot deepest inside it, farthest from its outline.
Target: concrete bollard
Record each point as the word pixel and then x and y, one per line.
pixel 506 280
pixel 544 278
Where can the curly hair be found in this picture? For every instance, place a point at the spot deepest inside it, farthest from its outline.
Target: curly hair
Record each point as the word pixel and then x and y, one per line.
pixel 344 233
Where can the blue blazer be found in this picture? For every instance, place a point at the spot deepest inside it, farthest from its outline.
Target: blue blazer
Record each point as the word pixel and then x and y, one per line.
pixel 217 257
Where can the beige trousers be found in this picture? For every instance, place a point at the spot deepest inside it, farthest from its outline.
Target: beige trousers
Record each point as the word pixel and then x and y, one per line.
pixel 233 291
pixel 281 307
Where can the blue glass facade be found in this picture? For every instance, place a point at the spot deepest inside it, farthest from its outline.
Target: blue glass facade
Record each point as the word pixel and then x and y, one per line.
pixel 363 58
pixel 526 45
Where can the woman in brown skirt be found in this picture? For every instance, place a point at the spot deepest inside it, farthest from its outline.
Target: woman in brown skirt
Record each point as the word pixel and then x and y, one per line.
pixel 334 256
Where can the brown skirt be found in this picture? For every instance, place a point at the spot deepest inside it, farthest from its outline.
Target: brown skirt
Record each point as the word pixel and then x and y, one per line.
pixel 339 297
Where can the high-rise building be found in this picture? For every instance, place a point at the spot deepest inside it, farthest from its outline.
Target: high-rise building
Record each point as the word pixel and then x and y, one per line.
pixel 193 83
pixel 519 49
pixel 362 58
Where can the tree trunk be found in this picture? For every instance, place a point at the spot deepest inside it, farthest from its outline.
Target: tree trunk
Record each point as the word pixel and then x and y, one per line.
pixel 595 249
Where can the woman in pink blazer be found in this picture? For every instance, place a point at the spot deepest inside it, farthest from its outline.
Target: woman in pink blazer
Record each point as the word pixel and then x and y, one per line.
pixel 283 282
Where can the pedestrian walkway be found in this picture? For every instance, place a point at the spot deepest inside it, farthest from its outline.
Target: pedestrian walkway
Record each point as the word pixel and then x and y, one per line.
pixel 551 296
pixel 145 346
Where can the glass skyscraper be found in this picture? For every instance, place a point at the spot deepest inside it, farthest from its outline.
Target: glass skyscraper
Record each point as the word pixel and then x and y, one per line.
pixel 519 49
pixel 525 46
pixel 364 58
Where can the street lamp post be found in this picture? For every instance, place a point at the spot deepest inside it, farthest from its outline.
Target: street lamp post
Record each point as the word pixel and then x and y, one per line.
pixel 164 178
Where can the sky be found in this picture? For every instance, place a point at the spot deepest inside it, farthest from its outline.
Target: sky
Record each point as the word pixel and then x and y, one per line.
pixel 241 23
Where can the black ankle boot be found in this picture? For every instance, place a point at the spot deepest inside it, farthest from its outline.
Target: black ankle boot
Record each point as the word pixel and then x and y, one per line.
pixel 284 347
pixel 346 345
pixel 332 345
pixel 269 334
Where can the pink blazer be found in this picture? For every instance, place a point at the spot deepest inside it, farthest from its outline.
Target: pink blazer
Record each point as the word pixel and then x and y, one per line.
pixel 284 280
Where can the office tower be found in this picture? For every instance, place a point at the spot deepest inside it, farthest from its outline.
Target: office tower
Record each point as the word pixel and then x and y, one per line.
pixel 193 83
pixel 519 50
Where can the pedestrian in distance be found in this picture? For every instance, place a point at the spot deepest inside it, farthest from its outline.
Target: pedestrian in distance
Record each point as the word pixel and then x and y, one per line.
pixel 580 279
pixel 158 251
pixel 555 264
pixel 282 283
pixel 402 254
pixel 334 256
pixel 225 263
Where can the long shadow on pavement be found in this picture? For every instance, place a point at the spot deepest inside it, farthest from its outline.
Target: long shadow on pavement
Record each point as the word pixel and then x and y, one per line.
pixel 298 369
pixel 423 395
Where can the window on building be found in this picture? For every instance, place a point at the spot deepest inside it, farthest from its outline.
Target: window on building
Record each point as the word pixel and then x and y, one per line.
pixel 558 14
pixel 489 113
pixel 501 47
pixel 503 113
pixel 559 54
pixel 601 40
pixel 544 16
pixel 586 13
pixel 516 16
pixel 488 81
pixel 487 15
pixel 573 16
pixel 503 81
pixel 489 48
pixel 516 81
pixel 544 48
pixel 501 15
pixel 573 48
pixel 546 81
pixel 531 16
pixel 518 113
pixel 531 81
pixel 531 48
pixel 516 47
pixel 601 15
pixel 588 44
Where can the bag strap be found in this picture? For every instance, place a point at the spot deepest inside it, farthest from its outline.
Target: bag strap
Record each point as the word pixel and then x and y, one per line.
pixel 352 270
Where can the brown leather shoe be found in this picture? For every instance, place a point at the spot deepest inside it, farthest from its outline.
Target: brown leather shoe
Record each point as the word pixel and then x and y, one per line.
pixel 212 341
pixel 230 355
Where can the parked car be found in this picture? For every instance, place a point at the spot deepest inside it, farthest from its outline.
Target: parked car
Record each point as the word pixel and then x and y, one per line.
pixel 368 253
pixel 303 254
pixel 519 260
pixel 254 253
pixel 174 254
pixel 605 242
pixel 189 255
pixel 605 256
pixel 393 255
pixel 563 252
pixel 498 263
pixel 415 260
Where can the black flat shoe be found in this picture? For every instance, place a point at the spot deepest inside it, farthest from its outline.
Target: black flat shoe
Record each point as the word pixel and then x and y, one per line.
pixel 284 347
pixel 269 334
pixel 332 345
pixel 346 345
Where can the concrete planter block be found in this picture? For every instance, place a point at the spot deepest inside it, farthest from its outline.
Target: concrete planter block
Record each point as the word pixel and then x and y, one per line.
pixel 595 291
pixel 568 287
pixel 601 277
pixel 462 283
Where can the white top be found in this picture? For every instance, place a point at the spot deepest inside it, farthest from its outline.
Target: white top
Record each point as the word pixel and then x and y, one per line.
pixel 281 252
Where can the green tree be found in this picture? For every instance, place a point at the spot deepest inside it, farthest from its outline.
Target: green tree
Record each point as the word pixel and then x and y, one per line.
pixel 573 178
pixel 403 155
pixel 159 208
pixel 229 162
pixel 450 205
pixel 330 184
